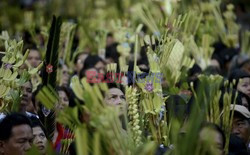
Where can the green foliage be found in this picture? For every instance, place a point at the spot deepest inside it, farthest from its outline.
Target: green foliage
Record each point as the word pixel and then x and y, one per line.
pixel 49 77
pixel 10 70
pixel 176 34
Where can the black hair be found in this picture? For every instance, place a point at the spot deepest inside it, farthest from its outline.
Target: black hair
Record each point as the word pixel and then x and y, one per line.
pixel 90 62
pixel 35 122
pixel 236 75
pixel 196 69
pixel 115 85
pixel 109 34
pixel 223 54
pixel 77 55
pixel 62 88
pixel 9 122
pixel 144 61
pixel 212 70
pixel 111 52
pixel 239 99
pixel 193 73
pixel 70 94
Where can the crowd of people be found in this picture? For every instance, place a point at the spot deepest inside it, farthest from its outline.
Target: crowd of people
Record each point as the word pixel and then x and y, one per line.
pixel 31 123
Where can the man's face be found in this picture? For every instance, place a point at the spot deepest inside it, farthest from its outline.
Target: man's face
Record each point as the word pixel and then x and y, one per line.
pixel 114 97
pixel 26 98
pixel 244 86
pixel 19 142
pixel 40 140
pixel 34 58
pixel 241 128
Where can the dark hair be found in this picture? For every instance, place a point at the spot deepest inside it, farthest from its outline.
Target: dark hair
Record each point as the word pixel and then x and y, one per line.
pixel 224 56
pixel 35 122
pixel 236 75
pixel 77 55
pixel 9 122
pixel 196 69
pixel 239 99
pixel 115 85
pixel 70 94
pixel 62 88
pixel 90 62
pixel 111 52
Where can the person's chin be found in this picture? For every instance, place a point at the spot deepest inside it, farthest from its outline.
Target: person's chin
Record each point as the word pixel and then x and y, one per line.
pixel 41 148
pixel 23 104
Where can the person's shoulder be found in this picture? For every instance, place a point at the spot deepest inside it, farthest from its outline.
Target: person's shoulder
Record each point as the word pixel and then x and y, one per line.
pixel 31 115
pixel 2 115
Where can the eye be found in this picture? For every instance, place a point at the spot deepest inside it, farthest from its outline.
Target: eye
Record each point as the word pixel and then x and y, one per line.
pixel 42 136
pixel 21 141
pixel 113 97
pixel 123 97
pixel 241 124
pixel 29 90
pixel 66 99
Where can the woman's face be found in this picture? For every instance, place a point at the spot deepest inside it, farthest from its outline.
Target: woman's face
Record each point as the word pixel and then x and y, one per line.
pixel 34 58
pixel 244 86
pixel 40 140
pixel 63 100
pixel 100 67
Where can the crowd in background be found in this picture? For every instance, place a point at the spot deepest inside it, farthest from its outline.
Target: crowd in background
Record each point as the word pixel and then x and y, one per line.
pixel 21 129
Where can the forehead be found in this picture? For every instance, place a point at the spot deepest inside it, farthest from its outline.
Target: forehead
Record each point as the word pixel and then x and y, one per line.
pixel 37 130
pixel 99 63
pixel 82 56
pixel 238 117
pixel 62 93
pixel 65 67
pixel 21 131
pixel 246 79
pixel 34 53
pixel 27 85
pixel 90 71
pixel 115 91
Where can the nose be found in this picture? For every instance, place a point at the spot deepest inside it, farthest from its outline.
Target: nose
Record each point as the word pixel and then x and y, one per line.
pixel 118 101
pixel 235 131
pixel 37 140
pixel 27 146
